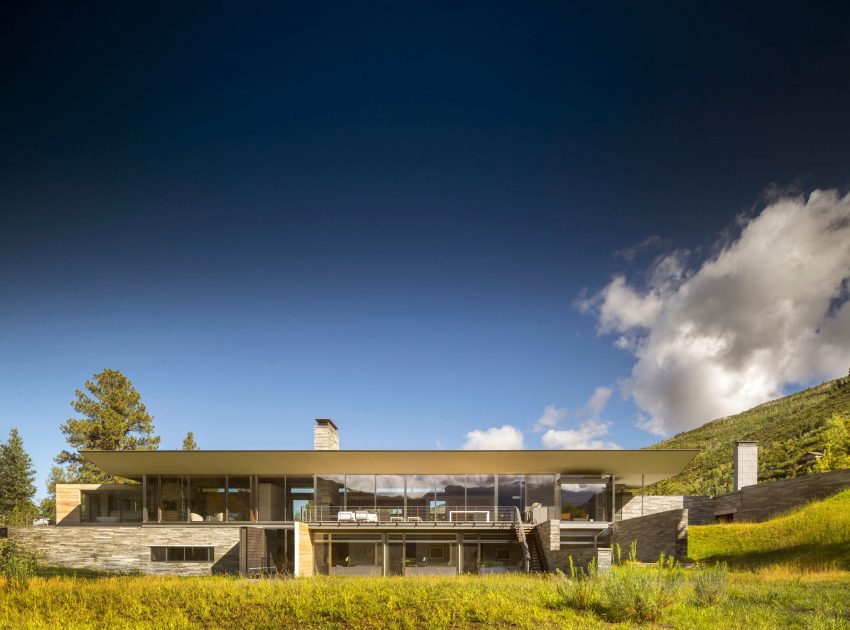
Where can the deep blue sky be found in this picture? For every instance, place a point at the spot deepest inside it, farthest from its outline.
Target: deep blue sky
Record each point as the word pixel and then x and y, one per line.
pixel 376 212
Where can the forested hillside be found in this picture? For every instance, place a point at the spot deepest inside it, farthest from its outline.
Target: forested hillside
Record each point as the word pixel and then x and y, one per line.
pixel 785 429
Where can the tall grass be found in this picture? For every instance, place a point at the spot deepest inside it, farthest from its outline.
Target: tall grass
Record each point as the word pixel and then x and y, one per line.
pixel 16 565
pixel 518 601
pixel 814 537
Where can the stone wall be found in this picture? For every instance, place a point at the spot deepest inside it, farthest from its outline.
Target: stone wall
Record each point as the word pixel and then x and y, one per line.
pixel 766 500
pixel 126 549
pixel 663 532
pixel 699 509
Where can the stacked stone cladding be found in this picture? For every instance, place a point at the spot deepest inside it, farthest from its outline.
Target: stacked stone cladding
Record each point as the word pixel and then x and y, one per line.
pixel 127 549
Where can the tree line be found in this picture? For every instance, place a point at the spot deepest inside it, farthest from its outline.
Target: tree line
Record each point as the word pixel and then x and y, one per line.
pixel 112 416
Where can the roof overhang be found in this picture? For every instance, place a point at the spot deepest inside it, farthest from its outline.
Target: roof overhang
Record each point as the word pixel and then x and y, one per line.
pixel 629 466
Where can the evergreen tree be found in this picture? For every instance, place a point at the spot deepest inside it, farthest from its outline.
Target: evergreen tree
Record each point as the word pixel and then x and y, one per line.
pixel 114 419
pixel 47 507
pixel 189 443
pixel 17 486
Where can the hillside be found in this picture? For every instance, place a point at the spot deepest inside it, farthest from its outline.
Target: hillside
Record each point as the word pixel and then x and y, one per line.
pixel 815 536
pixel 785 429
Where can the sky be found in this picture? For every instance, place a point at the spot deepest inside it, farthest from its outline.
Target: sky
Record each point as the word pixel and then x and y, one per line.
pixel 443 225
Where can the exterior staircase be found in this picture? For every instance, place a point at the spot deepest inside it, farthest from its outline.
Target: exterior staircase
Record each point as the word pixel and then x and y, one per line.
pixel 532 549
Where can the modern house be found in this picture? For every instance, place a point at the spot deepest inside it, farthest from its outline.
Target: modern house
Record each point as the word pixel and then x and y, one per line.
pixel 338 512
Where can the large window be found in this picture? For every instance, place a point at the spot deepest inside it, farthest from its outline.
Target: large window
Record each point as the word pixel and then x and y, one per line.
pixel 450 496
pixel 207 499
pixel 480 492
pixel 300 497
pixel 239 499
pixel 540 489
pixel 389 496
pixel 420 497
pixel 271 499
pixel 175 499
pixel 585 499
pixel 330 496
pixel 510 493
pixel 112 506
pixel 360 492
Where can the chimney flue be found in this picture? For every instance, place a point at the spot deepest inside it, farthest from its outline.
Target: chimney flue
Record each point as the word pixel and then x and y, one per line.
pixel 746 464
pixel 325 436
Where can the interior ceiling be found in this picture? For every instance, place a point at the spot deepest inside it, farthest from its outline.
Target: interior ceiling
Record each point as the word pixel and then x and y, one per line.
pixel 629 466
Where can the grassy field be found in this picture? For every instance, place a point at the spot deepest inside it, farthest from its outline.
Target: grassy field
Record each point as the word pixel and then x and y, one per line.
pixel 813 537
pixel 755 600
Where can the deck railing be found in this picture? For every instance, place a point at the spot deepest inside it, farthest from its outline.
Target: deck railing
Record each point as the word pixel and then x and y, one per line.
pixel 409 514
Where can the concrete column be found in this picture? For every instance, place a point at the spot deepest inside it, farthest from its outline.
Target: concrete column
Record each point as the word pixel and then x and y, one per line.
pixel 746 464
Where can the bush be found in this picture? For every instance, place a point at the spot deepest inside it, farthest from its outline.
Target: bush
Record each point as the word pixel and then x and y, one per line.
pixel 709 584
pixel 579 590
pixel 627 592
pixel 16 565
pixel 630 592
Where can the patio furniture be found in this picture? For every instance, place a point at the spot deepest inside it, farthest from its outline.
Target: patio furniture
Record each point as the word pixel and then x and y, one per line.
pixel 414 519
pixel 396 519
pixel 345 517
pixel 362 516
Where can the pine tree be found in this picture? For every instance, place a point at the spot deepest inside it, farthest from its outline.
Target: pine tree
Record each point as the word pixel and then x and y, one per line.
pixel 17 486
pixel 114 419
pixel 47 507
pixel 189 443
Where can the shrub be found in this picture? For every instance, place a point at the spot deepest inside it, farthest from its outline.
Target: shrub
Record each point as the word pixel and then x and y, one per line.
pixel 630 592
pixel 16 566
pixel 709 584
pixel 579 590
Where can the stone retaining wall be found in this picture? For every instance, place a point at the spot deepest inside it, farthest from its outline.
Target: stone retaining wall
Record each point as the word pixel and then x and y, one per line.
pixel 126 549
pixel 664 532
pixel 766 500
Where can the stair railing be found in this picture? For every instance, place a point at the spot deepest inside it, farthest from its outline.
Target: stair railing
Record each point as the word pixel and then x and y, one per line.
pixel 520 534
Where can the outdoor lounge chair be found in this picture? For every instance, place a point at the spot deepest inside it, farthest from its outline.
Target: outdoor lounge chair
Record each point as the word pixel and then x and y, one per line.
pixel 345 517
pixel 362 516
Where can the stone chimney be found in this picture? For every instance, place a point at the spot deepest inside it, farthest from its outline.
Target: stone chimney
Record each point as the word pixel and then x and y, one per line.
pixel 746 464
pixel 325 436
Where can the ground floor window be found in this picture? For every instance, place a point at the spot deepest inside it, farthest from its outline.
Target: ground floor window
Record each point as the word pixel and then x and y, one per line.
pixel 415 554
pixel 182 554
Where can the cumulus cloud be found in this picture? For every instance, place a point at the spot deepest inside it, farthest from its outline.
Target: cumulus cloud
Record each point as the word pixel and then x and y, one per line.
pixel 591 425
pixel 771 308
pixel 506 437
pixel 552 415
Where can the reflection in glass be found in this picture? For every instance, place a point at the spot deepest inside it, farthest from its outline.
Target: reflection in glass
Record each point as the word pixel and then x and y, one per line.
pixel 589 501
pixel 389 496
pixel 420 496
pixel 510 491
pixel 540 489
pixel 480 492
pixel 330 496
pixel 360 492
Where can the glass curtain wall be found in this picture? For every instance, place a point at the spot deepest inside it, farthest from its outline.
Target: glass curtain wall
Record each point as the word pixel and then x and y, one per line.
pixel 480 496
pixel 420 496
pixel 207 499
pixel 271 498
pixel 112 506
pixel 239 499
pixel 300 497
pixel 360 492
pixel 510 495
pixel 389 497
pixel 174 498
pixel 586 499
pixel 450 497
pixel 541 489
pixel 330 497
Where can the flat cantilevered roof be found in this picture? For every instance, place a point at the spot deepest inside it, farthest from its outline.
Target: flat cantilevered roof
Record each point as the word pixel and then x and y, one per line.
pixel 628 465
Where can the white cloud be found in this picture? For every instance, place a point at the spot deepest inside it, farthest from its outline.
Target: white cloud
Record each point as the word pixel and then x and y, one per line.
pixel 772 308
pixel 581 438
pixel 552 415
pixel 591 426
pixel 505 437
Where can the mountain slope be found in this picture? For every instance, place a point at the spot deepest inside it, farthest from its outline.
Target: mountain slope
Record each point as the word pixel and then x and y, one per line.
pixel 785 429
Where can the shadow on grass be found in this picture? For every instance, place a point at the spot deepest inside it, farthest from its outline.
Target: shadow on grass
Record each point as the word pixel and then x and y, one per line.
pixel 53 571
pixel 810 556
